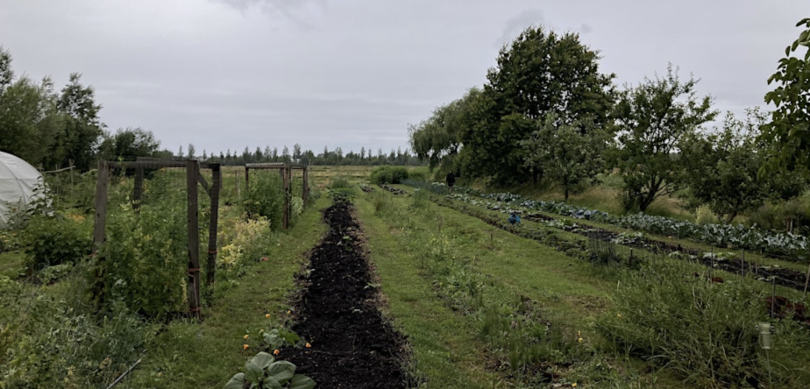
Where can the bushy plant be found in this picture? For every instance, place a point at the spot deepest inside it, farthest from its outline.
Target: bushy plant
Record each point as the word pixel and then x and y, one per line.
pixel 264 372
pixel 46 344
pixel 705 216
pixel 145 257
pixel 243 241
pixel 53 240
pixel 389 175
pixel 702 331
pixel 265 198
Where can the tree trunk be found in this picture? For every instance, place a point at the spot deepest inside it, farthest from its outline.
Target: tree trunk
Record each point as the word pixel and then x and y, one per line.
pixel 566 193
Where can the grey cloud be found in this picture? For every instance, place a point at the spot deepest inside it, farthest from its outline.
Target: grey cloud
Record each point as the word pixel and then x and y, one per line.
pixel 518 23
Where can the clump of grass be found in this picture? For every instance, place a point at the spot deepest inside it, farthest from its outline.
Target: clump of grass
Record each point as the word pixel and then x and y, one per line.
pixel 704 332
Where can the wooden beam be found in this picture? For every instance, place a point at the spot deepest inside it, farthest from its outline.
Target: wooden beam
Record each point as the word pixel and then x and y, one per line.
pixel 102 182
pixel 212 230
pixel 192 171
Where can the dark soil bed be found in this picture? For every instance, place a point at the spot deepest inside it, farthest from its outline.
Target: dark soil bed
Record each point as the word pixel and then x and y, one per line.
pixel 352 345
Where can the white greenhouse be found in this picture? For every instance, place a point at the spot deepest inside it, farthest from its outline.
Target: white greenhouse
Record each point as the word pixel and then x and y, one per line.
pixel 17 182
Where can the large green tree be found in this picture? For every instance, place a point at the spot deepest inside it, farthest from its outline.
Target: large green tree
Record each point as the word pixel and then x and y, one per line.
pixel 82 130
pixel 569 156
pixel 722 166
pixel 29 120
pixel 650 121
pixel 128 143
pixel 788 132
pixel 540 72
pixel 437 139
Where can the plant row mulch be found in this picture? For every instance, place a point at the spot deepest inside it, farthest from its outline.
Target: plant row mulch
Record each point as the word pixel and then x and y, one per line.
pixel 353 346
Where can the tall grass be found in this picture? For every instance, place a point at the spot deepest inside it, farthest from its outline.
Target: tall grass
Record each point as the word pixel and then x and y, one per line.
pixel 703 331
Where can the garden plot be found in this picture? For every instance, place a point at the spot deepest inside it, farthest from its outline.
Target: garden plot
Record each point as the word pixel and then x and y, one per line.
pixel 352 346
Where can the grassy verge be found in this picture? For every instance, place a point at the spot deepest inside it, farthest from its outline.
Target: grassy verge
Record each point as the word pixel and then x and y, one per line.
pixel 190 355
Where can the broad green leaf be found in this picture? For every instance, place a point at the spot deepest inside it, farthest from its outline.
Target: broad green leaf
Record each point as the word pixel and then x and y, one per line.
pixel 271 383
pixel 253 372
pixel 300 381
pixel 281 371
pixel 236 382
pixel 263 360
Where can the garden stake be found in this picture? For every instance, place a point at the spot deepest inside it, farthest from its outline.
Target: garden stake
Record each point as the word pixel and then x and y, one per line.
pixel 124 375
pixel 773 295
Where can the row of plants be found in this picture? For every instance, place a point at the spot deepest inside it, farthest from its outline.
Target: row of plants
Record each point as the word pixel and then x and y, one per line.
pixel 784 245
pixel 703 332
pixel 529 346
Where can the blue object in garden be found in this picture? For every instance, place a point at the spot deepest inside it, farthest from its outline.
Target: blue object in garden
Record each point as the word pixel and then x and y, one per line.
pixel 514 219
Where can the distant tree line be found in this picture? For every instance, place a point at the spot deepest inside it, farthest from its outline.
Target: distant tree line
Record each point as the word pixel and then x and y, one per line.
pixel 548 114
pixel 53 130
pixel 301 156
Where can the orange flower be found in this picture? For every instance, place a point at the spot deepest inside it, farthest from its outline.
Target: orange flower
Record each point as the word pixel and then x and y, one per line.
pixel 245 347
pixel 289 312
pixel 245 337
pixel 276 352
pixel 266 315
pixel 309 345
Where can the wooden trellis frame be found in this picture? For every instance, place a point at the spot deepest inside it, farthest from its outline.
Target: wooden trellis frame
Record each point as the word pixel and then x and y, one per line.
pixel 193 179
pixel 285 170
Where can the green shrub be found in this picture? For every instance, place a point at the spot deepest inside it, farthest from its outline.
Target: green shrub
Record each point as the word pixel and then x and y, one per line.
pixel 704 215
pixel 382 202
pixel 703 332
pixel 146 256
pixel 340 182
pixel 418 175
pixel 53 240
pixel 48 344
pixel 388 175
pixel 265 197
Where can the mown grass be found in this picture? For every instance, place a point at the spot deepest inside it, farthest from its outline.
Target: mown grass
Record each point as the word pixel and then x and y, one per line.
pixel 206 355
pixel 569 292
pixel 444 352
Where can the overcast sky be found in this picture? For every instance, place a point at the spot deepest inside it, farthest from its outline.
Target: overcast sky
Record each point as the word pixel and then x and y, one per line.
pixel 233 73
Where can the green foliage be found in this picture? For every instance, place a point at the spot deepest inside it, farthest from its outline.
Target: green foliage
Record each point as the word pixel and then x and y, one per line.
pixel 340 182
pixel 144 260
pixel 722 168
pixel 265 198
pixel 437 138
pixel 340 189
pixel 54 273
pixel 128 143
pixel 704 215
pixel 53 240
pixel 569 154
pixel 705 332
pixel 46 344
pixel 540 72
pixel 787 133
pixel 382 202
pixel 651 121
pixel 389 175
pixel 264 372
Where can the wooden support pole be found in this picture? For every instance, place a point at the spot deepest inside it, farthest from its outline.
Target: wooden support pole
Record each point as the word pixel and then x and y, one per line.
pixel 99 226
pixel 305 191
pixel 285 178
pixel 192 171
pixel 216 178
pixel 247 178
pixel 137 195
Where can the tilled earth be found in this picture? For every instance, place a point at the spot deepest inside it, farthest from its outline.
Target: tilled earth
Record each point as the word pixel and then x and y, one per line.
pixel 352 345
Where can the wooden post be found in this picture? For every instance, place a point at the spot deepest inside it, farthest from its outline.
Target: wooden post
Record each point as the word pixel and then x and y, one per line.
pixel 286 185
pixel 247 178
pixel 192 170
pixel 305 191
pixel 138 193
pixel 101 205
pixel 236 180
pixel 99 226
pixel 216 178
